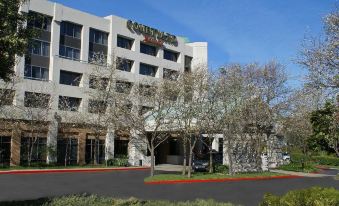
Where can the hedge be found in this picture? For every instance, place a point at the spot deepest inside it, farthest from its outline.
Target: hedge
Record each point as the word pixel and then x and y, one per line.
pixel 326 160
pixel 314 196
pixel 93 200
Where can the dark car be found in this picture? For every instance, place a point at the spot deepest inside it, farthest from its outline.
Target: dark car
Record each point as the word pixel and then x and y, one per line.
pixel 201 163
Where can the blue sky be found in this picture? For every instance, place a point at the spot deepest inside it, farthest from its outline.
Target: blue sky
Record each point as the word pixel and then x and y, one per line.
pixel 237 31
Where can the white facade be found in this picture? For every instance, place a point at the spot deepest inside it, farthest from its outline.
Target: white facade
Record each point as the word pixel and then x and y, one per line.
pixel 115 27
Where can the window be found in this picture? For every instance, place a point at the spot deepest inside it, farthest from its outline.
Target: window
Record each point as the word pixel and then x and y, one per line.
pixel 170 74
pixel 69 52
pixel 70 29
pixel 144 109
pixel 120 147
pixel 174 147
pixel 123 87
pixel 147 49
pixel 69 103
pixel 170 55
pixel 6 97
pixel 39 21
pixel 124 64
pixel 98 37
pixel 98 82
pixel 188 62
pixel 5 151
pixel 70 78
pixel 36 73
pixel 33 149
pixel 39 48
pixel 93 145
pixel 67 152
pixel 96 106
pixel 36 100
pixel 124 42
pixel 149 70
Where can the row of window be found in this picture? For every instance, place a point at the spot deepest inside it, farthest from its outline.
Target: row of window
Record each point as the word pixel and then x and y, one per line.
pixel 74 79
pixel 40 100
pixel 95 36
pixel 35 150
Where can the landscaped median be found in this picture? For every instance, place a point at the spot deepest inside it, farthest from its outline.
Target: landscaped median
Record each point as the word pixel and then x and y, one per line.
pixel 215 177
pixel 23 170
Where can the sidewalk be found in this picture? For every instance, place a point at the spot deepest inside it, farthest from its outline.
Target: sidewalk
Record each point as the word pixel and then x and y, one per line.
pixel 41 171
pixel 301 174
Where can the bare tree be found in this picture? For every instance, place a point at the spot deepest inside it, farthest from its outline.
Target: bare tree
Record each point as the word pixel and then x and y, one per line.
pixel 320 56
pixel 210 116
pixel 296 123
pixel 151 117
pixel 31 116
pixel 193 93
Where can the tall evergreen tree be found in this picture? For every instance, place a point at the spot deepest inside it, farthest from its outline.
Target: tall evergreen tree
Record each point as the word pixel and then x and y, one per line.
pixel 14 36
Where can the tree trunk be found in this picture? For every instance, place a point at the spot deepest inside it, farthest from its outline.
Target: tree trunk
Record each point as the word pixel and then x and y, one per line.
pixel 230 160
pixel 190 162
pixel 211 160
pixel 95 159
pixel 185 159
pixel 152 161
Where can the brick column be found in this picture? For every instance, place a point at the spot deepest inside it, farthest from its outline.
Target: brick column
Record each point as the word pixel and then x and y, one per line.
pixel 81 148
pixel 15 147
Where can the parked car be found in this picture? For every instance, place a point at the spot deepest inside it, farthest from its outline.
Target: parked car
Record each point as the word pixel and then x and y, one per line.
pixel 201 163
pixel 286 157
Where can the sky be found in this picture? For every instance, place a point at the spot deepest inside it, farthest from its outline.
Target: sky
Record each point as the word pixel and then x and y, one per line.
pixel 237 31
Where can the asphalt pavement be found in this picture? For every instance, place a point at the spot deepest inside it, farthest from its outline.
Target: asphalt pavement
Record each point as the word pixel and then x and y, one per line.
pixel 125 184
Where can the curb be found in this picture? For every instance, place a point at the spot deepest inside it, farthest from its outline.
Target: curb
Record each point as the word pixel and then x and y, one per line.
pixel 47 171
pixel 220 180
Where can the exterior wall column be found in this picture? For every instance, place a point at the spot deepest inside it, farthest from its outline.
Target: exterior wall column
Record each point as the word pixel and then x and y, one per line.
pixel 52 139
pixel 225 160
pixel 82 148
pixel 109 144
pixel 137 151
pixel 15 147
pixel 215 144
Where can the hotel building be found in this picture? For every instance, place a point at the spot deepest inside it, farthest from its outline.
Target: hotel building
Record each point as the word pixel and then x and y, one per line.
pixel 58 64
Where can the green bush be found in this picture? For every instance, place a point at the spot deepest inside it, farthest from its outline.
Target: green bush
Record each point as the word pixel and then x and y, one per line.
pixel 298 167
pixel 93 200
pixel 299 157
pixel 119 161
pixel 219 168
pixel 314 196
pixel 326 160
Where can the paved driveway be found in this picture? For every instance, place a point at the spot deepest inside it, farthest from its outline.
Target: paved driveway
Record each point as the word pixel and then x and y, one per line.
pixel 126 184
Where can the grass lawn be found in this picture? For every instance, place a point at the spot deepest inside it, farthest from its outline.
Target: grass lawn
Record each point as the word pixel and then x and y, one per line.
pixel 204 176
pixel 297 167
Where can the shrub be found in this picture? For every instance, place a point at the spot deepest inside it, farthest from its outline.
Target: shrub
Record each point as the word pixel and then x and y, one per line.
pixel 298 167
pixel 314 196
pixel 219 168
pixel 299 157
pixel 119 161
pixel 93 200
pixel 326 160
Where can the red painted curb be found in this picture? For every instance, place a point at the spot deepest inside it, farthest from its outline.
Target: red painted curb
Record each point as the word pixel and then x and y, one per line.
pixel 220 180
pixel 46 171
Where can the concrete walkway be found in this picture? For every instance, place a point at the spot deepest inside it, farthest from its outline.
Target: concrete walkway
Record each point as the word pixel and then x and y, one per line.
pixel 169 168
pixel 303 174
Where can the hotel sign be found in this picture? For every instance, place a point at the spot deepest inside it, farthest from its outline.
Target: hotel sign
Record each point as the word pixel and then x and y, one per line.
pixel 152 35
